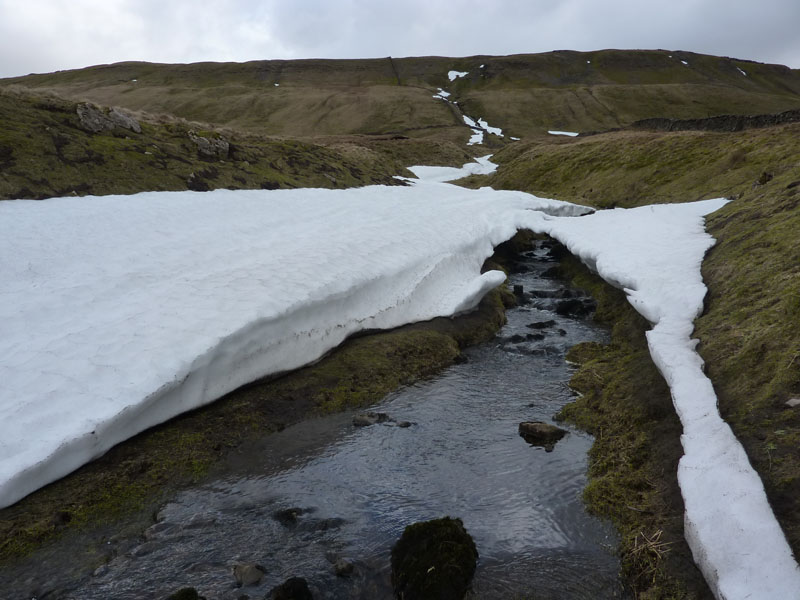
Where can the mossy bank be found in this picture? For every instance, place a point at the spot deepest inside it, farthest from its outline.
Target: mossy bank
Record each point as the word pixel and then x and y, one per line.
pixel 749 331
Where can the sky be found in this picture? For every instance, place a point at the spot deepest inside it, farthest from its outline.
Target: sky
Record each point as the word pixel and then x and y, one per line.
pixel 39 36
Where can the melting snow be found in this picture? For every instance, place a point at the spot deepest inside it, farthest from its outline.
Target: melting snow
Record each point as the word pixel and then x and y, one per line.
pixel 120 312
pixel 453 75
pixel 654 253
pixel 495 130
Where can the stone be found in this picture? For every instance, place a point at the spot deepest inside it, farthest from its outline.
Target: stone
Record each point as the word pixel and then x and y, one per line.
pixel 538 433
pixel 247 574
pixel 541 324
pixel 120 119
pixel 288 516
pixel 294 588
pixel 211 148
pixel 575 307
pixel 369 418
pixel 404 424
pixel 433 559
pixel 92 118
pixel 343 568
pixel 186 593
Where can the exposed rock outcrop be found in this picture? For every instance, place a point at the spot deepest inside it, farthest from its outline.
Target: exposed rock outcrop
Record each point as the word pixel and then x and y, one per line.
pixel 94 119
pixel 210 147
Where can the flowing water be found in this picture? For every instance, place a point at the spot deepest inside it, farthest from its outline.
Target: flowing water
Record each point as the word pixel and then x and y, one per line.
pixel 325 490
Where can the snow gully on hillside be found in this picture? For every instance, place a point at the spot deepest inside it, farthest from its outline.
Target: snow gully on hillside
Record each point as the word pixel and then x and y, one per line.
pixel 478 126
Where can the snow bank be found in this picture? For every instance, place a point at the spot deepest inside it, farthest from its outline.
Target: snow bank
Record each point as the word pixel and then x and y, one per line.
pixel 120 312
pixel 481 166
pixel 654 253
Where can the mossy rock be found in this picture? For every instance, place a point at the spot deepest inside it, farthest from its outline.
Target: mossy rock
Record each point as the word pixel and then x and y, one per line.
pixel 186 594
pixel 433 559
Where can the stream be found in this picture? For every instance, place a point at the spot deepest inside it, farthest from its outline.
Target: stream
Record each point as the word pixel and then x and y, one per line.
pixel 325 490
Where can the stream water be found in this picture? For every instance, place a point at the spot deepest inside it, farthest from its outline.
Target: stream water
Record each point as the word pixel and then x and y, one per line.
pixel 325 490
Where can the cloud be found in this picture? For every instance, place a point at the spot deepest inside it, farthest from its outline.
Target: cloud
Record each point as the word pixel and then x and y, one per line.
pixel 46 35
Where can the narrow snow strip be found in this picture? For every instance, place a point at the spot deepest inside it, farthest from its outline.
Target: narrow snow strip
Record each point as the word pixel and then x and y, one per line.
pixel 453 75
pixel 495 130
pixel 569 133
pixel 120 312
pixel 470 122
pixel 741 71
pixel 476 138
pixel 684 62
pixel 654 253
pixel 442 94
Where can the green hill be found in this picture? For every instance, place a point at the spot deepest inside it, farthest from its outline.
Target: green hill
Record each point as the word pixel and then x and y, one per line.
pixel 522 94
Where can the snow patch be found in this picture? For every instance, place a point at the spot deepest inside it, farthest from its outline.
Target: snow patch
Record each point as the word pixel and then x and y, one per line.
pixel 485 126
pixel 441 94
pixel 277 85
pixel 741 71
pixel 516 139
pixel 684 62
pixel 453 75
pixel 569 133
pixel 654 253
pixel 120 312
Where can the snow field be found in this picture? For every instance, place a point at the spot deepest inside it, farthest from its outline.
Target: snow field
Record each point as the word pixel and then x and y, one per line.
pixel 654 253
pixel 120 312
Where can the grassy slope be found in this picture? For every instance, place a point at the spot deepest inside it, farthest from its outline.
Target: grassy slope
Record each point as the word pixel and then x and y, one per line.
pixel 523 94
pixel 749 332
pixel 44 152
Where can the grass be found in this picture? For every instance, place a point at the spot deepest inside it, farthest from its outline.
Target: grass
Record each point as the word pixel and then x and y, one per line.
pixel 633 168
pixel 523 94
pixel 44 153
pixel 625 403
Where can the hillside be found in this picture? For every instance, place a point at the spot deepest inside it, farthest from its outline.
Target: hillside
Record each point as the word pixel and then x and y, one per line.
pixel 522 94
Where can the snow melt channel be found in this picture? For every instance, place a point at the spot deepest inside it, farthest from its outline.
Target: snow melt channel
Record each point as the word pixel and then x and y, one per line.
pixel 120 312
pixel 654 253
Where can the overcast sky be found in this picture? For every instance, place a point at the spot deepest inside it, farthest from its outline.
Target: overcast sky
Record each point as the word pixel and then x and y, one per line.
pixel 47 35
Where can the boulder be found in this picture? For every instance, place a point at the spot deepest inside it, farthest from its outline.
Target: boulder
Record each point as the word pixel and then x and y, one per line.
pixel 370 418
pixel 541 324
pixel 575 307
pixel 433 559
pixel 187 593
pixel 93 119
pixel 343 568
pixel 248 574
pixel 537 433
pixel 294 588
